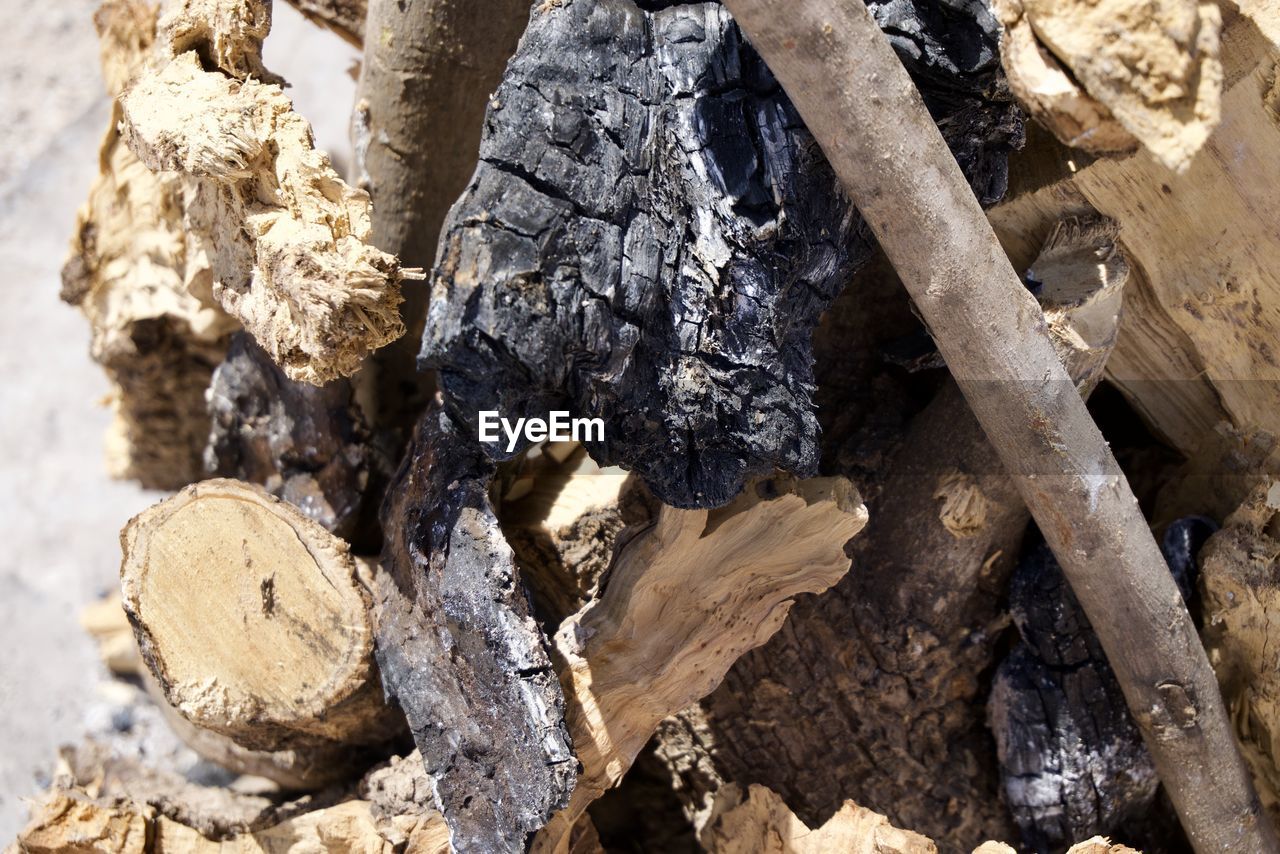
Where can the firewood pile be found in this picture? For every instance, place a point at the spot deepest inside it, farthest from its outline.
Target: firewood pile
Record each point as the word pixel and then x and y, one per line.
pixel 742 426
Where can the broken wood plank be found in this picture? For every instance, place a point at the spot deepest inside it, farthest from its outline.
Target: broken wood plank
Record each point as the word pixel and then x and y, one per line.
pixel 1194 351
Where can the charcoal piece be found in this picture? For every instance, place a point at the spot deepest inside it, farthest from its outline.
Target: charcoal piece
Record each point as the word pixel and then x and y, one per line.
pixel 1072 761
pixel 651 236
pixel 304 443
pixel 460 652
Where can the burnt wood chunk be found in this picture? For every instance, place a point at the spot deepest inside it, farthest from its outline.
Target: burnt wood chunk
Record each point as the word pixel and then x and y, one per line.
pixel 460 652
pixel 306 444
pixel 650 237
pixel 1072 761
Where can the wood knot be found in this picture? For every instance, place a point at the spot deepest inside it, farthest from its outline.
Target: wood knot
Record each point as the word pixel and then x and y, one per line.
pixel 1174 711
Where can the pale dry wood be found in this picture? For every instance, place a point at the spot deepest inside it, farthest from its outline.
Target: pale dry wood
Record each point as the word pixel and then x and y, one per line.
pixel 1241 625
pixel 1103 75
pixel 107 624
pixel 683 600
pixel 761 823
pixel 317 764
pixel 70 822
pixel 1196 348
pixel 286 241
pixel 868 117
pixel 253 621
pixel 127 273
pixel 562 514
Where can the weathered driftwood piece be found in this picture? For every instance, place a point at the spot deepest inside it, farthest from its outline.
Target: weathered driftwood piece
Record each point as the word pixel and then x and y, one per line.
pixel 306 444
pixel 652 242
pixel 252 619
pixel 460 652
pixel 285 240
pixel 683 600
pixel 425 82
pixel 1105 76
pixel 905 637
pixel 862 107
pixel 344 17
pixel 1072 761
pixel 761 823
pixel 157 342
pixel 1196 347
pixel 1240 606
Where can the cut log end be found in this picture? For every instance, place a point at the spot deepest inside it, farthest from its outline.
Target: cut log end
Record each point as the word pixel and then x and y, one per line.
pixel 252 619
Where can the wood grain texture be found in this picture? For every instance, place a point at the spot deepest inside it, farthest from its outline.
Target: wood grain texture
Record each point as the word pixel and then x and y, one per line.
pixel 253 621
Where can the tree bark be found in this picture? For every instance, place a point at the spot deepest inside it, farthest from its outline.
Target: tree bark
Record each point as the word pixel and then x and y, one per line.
pixel 906 637
pixel 429 68
pixel 304 443
pixel 861 106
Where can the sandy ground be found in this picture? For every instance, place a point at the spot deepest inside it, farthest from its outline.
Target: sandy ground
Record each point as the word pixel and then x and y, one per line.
pixel 59 513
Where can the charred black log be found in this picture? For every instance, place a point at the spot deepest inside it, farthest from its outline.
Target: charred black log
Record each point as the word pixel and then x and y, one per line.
pixel 460 652
pixel 306 444
pixel 1072 761
pixel 651 236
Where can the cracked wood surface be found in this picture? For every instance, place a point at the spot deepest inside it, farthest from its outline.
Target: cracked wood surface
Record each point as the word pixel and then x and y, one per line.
pixel 652 242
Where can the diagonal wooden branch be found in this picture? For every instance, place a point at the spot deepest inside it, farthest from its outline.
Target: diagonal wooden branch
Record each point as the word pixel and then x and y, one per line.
pixel 862 108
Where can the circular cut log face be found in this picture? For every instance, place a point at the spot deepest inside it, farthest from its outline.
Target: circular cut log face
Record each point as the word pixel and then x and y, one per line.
pixel 250 616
